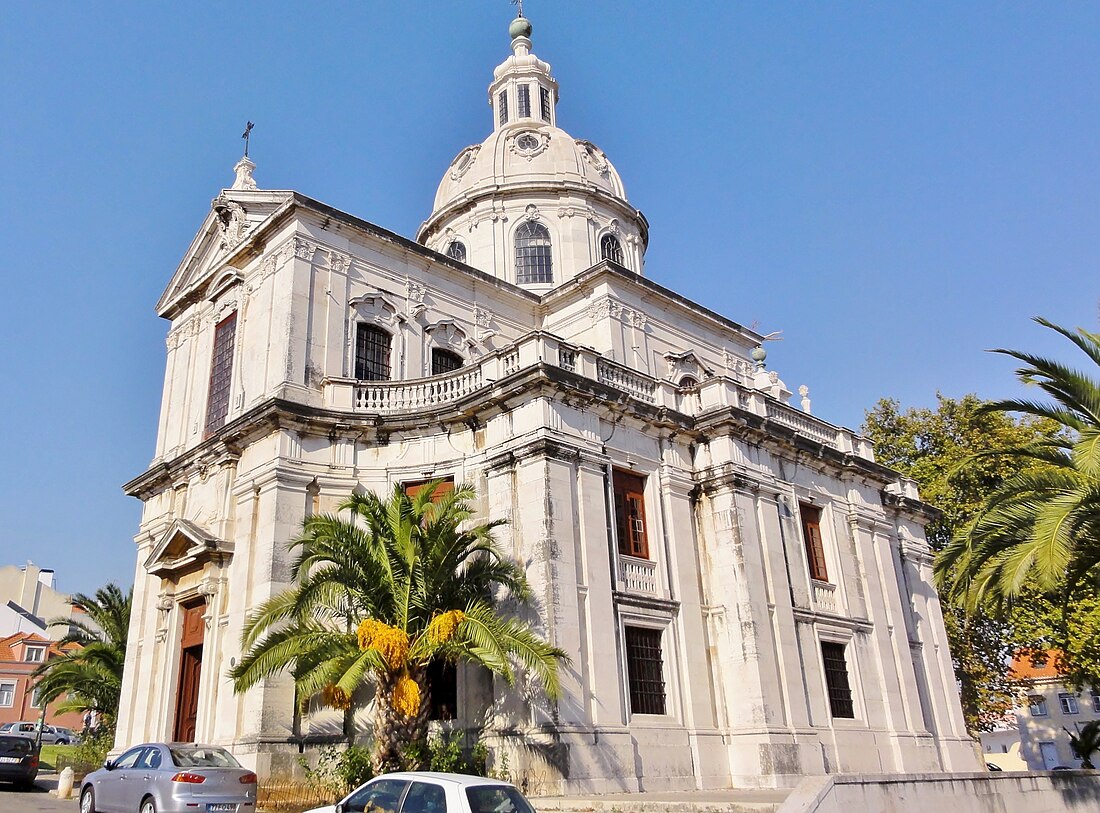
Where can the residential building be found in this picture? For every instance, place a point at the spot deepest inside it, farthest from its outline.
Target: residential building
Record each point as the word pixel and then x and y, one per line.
pixel 29 601
pixel 20 655
pixel 1035 736
pixel 745 595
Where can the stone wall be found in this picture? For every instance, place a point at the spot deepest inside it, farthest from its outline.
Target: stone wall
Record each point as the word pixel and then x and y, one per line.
pixel 1034 792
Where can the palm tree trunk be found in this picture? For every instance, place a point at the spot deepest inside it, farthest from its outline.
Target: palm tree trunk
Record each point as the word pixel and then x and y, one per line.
pixel 394 732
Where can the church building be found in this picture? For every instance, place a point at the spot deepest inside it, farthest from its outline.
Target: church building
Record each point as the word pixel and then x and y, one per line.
pixel 745 595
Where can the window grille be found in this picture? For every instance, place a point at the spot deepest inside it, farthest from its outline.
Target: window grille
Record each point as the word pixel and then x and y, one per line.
pixel 836 679
pixel 1068 703
pixel 221 373
pixel 502 107
pixel 645 670
pixel 611 248
pixel 630 513
pixel 457 251
pixel 444 361
pixel 372 353
pixel 533 259
pixel 811 537
pixel 524 101
pixel 544 100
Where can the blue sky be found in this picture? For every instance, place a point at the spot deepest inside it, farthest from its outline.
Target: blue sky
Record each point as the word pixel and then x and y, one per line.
pixel 895 186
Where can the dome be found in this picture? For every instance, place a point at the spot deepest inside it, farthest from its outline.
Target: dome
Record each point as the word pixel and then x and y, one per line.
pixel 531 204
pixel 527 154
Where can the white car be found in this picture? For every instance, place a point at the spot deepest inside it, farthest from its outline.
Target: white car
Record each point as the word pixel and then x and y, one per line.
pixel 417 792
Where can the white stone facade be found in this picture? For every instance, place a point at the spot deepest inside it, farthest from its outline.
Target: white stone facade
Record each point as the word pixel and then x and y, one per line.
pixel 566 390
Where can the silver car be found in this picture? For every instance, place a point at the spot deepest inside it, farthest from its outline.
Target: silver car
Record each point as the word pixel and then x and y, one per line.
pixel 170 778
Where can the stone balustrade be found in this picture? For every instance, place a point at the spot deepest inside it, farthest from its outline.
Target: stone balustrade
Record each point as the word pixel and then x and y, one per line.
pixel 637 575
pixel 824 596
pixel 719 392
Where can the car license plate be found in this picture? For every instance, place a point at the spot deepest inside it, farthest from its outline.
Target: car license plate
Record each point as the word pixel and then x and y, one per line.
pixel 11 759
pixel 222 807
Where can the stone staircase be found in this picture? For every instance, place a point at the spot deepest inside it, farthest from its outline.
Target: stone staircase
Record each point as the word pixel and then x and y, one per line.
pixel 757 800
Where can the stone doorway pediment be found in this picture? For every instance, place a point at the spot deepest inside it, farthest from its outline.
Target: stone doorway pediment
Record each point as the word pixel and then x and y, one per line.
pixel 184 548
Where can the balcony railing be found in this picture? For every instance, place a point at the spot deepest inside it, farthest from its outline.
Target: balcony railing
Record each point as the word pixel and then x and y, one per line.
pixel 637 575
pixel 716 393
pixel 824 596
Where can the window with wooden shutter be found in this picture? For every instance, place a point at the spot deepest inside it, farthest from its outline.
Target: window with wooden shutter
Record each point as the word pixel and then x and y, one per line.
pixel 630 519
pixel 221 373
pixel 811 536
pixel 444 486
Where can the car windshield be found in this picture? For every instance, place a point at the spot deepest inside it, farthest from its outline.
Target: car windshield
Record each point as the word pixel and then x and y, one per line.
pixel 16 745
pixel 186 756
pixel 497 799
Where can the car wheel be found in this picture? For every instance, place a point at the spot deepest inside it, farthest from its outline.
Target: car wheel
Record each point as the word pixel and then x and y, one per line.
pixel 62 742
pixel 148 805
pixel 87 800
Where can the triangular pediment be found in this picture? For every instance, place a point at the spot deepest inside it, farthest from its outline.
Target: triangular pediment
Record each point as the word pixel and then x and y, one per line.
pixel 686 365
pixel 184 547
pixel 235 216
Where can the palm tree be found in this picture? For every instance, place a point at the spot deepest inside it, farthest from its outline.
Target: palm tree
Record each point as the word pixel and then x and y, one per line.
pixel 1041 525
pixel 91 675
pixel 380 596
pixel 1085 742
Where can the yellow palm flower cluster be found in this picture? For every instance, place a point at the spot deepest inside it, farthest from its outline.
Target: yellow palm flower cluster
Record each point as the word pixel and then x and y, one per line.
pixel 442 627
pixel 335 698
pixel 406 697
pixel 390 642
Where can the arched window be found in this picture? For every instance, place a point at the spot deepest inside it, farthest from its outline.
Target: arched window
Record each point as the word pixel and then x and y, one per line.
pixel 533 262
pixel 611 248
pixel 372 353
pixel 457 251
pixel 444 361
pixel 687 382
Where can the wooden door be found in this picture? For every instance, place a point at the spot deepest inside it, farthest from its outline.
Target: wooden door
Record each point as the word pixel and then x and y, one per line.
pixel 187 695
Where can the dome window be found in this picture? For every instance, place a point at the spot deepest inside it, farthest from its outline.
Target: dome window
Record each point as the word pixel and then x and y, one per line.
pixel 444 361
pixel 502 107
pixel 611 248
pixel 524 101
pixel 533 260
pixel 456 251
pixel 527 142
pixel 544 100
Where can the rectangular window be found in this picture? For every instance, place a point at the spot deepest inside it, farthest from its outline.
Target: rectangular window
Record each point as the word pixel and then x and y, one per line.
pixel 446 486
pixel 7 693
pixel 1038 706
pixel 1068 703
pixel 544 100
pixel 630 522
pixel 836 679
pixel 524 101
pixel 1095 700
pixel 645 670
pixel 34 654
pixel 811 536
pixel 502 107
pixel 372 353
pixel 221 373
pixel 35 701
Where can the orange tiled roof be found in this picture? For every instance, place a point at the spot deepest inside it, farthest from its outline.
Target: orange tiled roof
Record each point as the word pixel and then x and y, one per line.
pixel 7 651
pixel 1024 669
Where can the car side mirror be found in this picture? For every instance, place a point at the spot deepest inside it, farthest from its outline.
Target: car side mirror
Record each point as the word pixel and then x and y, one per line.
pixel 108 765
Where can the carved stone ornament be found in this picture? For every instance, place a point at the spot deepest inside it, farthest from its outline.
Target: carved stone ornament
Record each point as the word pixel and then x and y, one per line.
pixel 611 308
pixel 495 214
pixel 232 221
pixel 304 249
pixel 374 308
pixel 447 334
pixel 531 212
pixel 687 364
pixel 529 143
pixel 578 211
pixel 594 156
pixel 338 262
pixel 464 161
pixel 414 296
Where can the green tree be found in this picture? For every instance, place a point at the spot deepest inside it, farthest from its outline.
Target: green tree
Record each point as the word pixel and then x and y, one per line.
pixel 90 677
pixel 930 445
pixel 1085 742
pixel 380 595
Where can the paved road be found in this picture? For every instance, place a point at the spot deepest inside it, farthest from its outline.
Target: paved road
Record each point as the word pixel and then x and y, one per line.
pixel 34 801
